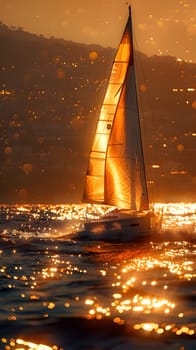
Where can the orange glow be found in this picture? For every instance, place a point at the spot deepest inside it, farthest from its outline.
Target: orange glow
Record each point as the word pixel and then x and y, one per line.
pixel 60 74
pixel 34 346
pixel 8 150
pixel 180 147
pixel 193 104
pixel 174 172
pixel 155 166
pixel 27 168
pixel 93 55
pixel 143 87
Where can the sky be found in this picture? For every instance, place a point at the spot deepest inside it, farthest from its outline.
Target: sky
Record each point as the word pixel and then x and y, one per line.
pixel 165 27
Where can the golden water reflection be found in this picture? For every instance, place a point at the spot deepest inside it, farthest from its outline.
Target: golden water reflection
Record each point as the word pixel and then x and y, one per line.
pixel 20 344
pixel 140 286
pixel 137 292
pixel 178 216
pixel 175 216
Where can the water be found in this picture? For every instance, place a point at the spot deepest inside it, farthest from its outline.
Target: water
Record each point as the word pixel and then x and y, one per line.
pixel 58 292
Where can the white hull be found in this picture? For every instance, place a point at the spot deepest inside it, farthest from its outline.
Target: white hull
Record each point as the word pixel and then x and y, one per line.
pixel 120 228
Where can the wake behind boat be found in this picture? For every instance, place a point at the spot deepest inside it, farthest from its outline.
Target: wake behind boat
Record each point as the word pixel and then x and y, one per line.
pixel 116 172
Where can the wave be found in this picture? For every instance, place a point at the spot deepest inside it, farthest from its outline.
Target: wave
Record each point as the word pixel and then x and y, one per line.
pixel 80 333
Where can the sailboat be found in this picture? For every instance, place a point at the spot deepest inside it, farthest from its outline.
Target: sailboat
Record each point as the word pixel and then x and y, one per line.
pixel 115 175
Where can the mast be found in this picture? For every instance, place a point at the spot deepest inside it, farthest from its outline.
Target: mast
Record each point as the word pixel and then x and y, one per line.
pixel 145 197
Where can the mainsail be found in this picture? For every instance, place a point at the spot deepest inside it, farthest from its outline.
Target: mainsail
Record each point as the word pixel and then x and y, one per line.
pixel 116 173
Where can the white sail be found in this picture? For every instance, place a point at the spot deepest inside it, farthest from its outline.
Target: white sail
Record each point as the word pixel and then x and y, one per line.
pixel 116 174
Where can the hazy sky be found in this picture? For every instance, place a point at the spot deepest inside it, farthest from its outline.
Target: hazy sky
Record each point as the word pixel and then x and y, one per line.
pixel 164 27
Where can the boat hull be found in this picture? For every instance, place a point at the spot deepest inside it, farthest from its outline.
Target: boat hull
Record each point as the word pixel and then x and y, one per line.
pixel 119 229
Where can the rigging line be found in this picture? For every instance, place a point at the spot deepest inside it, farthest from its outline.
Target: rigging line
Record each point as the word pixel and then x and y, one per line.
pixel 122 84
pixel 119 89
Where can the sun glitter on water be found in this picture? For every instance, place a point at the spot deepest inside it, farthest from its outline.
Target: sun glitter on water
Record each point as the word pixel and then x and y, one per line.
pixel 20 344
pixel 141 293
pixel 175 215
pixel 178 216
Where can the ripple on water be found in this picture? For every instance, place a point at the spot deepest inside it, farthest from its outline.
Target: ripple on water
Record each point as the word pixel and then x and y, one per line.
pixel 72 294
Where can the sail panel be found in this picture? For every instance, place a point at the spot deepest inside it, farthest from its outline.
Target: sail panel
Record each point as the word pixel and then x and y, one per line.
pixel 118 72
pixel 107 112
pixel 100 142
pixel 104 127
pixel 94 189
pixel 118 182
pixel 97 167
pixel 124 154
pixel 124 51
pixel 141 194
pixel 99 155
pixel 112 94
pixel 138 190
pixel 117 143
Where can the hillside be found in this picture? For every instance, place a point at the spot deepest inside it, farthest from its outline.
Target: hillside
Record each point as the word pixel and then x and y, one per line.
pixel 50 93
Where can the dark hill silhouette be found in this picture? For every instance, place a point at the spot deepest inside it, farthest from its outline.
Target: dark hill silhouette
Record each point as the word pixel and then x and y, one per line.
pixel 51 92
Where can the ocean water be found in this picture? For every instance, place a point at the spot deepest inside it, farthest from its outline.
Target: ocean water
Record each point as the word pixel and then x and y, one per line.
pixel 61 292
